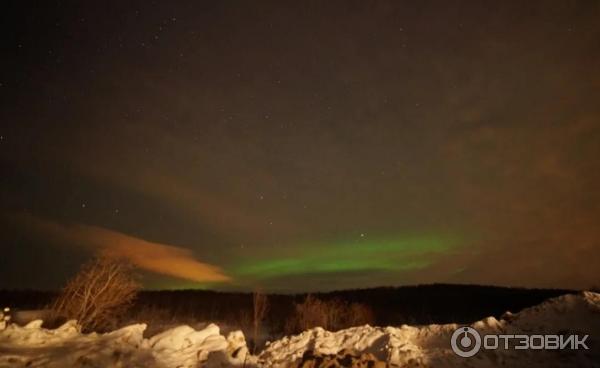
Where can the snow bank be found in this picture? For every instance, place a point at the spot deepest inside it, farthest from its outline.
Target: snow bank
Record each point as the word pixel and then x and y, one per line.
pixel 185 347
pixel 406 346
pixel 66 346
pixel 429 346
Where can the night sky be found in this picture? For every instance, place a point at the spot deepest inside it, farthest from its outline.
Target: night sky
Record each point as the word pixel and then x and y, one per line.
pixel 295 146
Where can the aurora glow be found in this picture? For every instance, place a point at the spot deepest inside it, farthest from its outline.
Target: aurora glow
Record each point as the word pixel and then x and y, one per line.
pixel 387 254
pixel 237 145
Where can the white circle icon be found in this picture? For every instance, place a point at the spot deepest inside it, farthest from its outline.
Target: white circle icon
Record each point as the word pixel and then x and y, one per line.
pixel 465 342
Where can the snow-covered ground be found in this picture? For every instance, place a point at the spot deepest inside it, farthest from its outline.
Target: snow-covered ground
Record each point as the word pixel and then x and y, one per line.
pixel 404 346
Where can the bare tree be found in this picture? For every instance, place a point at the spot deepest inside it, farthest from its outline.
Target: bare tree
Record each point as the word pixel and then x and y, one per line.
pixel 331 314
pixel 102 290
pixel 312 312
pixel 260 306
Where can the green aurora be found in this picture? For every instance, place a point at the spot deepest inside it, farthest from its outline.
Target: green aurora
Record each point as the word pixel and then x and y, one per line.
pixel 235 146
pixel 391 254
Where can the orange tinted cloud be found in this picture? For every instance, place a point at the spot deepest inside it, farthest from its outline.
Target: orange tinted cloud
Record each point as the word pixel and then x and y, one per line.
pixel 160 258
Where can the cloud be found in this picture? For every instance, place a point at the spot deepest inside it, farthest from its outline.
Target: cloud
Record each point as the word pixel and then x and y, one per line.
pixel 159 258
pixel 529 190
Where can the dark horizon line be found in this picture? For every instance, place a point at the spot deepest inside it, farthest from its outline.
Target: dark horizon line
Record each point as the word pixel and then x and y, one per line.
pixel 324 292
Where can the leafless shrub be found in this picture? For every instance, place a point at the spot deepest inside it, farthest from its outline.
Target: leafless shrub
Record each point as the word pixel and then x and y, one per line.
pixel 260 305
pixel 358 314
pixel 330 315
pixel 102 291
pixel 312 312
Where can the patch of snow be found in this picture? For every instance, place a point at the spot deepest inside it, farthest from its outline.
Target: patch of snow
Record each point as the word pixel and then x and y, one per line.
pixel 406 346
pixel 429 346
pixel 23 317
pixel 184 347
pixel 66 346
